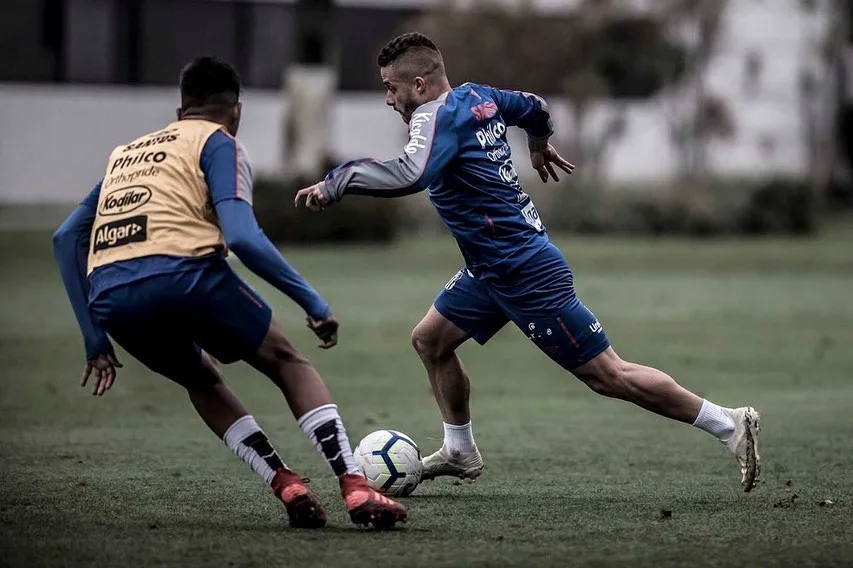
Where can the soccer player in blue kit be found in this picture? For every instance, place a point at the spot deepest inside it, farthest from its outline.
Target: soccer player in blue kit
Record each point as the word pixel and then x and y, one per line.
pixel 457 150
pixel 143 259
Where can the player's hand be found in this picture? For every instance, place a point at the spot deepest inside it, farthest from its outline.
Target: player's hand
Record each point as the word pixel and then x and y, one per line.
pixel 326 330
pixel 544 158
pixel 104 367
pixel 312 197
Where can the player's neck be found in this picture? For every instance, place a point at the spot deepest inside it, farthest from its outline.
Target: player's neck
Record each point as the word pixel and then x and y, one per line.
pixel 438 90
pixel 203 116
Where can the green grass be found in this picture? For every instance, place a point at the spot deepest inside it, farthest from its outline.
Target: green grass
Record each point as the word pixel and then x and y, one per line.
pixel 134 478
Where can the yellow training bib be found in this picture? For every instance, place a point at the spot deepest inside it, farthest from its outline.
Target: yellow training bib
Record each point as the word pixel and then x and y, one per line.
pixel 154 199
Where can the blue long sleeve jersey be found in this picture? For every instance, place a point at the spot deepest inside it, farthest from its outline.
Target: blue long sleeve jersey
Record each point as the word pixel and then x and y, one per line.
pixel 457 149
pixel 220 161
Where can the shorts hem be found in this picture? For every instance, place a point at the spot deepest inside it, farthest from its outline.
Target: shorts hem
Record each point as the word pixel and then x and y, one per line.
pixel 480 338
pixel 593 354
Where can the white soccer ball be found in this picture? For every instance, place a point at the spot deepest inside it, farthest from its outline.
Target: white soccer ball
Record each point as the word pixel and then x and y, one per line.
pixel 391 462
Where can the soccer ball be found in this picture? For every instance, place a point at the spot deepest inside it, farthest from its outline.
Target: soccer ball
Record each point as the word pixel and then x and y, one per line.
pixel 391 462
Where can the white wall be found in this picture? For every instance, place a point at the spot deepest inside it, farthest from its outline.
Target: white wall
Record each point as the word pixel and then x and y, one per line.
pixel 55 140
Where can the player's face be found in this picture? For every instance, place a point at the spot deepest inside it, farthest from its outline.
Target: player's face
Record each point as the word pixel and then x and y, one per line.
pixel 404 96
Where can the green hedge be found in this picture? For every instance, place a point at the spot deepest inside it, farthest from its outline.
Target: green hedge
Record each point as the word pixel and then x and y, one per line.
pixel 722 208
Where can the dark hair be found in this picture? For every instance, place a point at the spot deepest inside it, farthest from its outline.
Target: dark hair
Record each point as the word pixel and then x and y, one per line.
pixel 207 81
pixel 403 43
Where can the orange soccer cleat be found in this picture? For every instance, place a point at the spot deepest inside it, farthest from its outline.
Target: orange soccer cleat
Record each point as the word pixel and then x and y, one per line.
pixel 366 505
pixel 302 506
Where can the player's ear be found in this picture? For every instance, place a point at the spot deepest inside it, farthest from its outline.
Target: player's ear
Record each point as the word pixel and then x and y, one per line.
pixel 420 85
pixel 236 113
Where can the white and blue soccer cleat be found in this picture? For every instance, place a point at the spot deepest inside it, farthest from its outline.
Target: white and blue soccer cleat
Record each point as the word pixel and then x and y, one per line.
pixel 453 464
pixel 744 443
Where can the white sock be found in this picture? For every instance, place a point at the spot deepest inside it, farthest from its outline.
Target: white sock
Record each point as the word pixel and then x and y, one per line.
pixel 248 441
pixel 324 427
pixel 714 421
pixel 458 439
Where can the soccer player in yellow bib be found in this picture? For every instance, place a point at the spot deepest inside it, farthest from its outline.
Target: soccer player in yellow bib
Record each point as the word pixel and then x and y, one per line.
pixel 143 262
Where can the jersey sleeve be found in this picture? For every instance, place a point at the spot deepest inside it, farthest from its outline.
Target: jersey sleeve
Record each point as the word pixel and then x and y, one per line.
pixel 524 110
pixel 226 168
pixel 71 250
pixel 246 239
pixel 431 147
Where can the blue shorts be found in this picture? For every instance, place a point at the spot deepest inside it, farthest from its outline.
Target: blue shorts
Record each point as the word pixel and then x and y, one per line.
pixel 539 299
pixel 166 319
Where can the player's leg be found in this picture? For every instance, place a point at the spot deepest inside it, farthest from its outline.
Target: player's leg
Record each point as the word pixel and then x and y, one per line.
pixel 575 339
pixel 220 408
pixel 463 309
pixel 435 340
pixel 649 388
pixel 652 389
pixel 245 329
pixel 142 319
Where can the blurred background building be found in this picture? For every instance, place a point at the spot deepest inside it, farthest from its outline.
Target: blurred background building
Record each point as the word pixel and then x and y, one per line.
pixel 697 115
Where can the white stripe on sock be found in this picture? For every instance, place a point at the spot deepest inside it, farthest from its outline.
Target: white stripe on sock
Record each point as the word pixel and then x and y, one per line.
pixel 313 419
pixel 234 436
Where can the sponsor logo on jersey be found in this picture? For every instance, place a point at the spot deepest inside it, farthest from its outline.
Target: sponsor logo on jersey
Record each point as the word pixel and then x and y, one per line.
pixel 124 200
pixel 484 110
pixel 491 134
pixel 121 232
pixel 151 141
pixel 125 178
pixel 500 154
pixel 416 139
pixel 531 216
pixel 508 173
pixel 136 159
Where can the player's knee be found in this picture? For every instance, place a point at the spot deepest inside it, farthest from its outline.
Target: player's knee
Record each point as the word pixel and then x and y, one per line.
pixel 427 344
pixel 286 354
pixel 421 341
pixel 608 378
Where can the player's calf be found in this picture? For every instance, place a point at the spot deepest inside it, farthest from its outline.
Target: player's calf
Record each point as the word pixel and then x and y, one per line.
pixel 649 388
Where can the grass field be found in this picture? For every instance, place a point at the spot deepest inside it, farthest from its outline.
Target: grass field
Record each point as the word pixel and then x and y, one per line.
pixel 134 478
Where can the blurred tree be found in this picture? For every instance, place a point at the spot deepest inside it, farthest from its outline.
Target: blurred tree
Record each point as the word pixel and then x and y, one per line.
pixel 695 117
pixel 601 50
pixel 823 98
